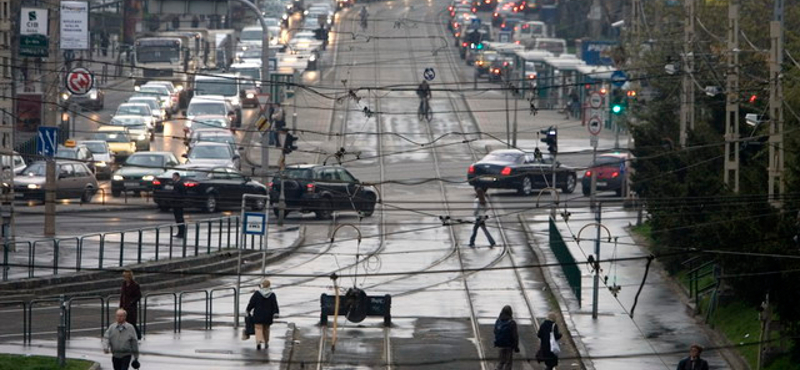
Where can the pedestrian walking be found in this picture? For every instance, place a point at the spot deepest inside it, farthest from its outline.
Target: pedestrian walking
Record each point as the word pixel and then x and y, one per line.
pixel 129 297
pixel 178 198
pixel 278 117
pixel 574 103
pixel 264 307
pixel 479 207
pixel 120 340
pixel 693 362
pixel 506 338
pixel 548 338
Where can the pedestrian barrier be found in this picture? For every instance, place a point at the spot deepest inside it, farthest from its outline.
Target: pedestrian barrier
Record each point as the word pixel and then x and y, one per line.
pixel 206 316
pixel 116 249
pixel 103 307
pixel 571 270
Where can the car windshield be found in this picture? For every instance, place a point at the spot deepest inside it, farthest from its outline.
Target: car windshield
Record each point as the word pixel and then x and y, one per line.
pixel 211 123
pixel 251 35
pixel 197 109
pixel 145 161
pixel 35 169
pixel 133 110
pixel 218 86
pixel 271 22
pixel 70 153
pixel 298 173
pixel 216 139
pixel 160 90
pixel 509 157
pixel 252 53
pixel 112 137
pixel 253 73
pixel 608 161
pixel 95 147
pixel 210 152
pixel 127 121
pixel 150 103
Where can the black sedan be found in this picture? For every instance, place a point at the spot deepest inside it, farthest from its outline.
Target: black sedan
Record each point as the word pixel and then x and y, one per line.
pixel 208 188
pixel 322 190
pixel 523 171
pixel 139 171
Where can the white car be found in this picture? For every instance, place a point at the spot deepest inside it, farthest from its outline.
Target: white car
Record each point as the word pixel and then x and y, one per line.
pixel 227 85
pixel 103 157
pixel 174 92
pixel 212 135
pixel 159 113
pixel 139 110
pixel 212 155
pixel 162 92
pixel 14 162
pixel 210 106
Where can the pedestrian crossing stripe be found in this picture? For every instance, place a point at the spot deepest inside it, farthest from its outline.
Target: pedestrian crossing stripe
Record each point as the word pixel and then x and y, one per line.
pixel 262 123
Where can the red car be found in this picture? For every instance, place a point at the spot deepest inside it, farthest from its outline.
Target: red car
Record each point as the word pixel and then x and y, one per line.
pixel 611 171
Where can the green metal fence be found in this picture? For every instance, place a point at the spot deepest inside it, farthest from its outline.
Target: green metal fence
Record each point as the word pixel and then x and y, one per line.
pixel 568 264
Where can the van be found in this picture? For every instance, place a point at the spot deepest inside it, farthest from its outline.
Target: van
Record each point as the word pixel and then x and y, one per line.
pixel 529 31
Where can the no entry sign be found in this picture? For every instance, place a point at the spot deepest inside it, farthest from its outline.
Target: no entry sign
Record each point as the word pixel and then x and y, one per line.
pixel 79 81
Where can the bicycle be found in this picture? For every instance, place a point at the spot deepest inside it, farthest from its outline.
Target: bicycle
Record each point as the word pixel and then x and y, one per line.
pixel 424 112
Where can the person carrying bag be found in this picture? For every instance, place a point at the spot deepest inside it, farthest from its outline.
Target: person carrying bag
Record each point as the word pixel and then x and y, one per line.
pixel 264 307
pixel 549 349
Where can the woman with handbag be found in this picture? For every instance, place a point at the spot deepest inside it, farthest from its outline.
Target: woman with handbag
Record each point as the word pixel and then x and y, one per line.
pixel 264 307
pixel 549 349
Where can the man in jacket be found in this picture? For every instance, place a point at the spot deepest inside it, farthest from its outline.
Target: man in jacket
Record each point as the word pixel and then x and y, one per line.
pixel 120 340
pixel 178 197
pixel 506 338
pixel 693 362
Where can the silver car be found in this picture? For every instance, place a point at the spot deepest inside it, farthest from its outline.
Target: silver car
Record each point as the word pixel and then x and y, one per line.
pixel 103 157
pixel 75 180
pixel 213 155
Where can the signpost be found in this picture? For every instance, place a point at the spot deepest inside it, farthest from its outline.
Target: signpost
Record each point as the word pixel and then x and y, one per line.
pixel 33 33
pixel 253 223
pixel 619 78
pixel 79 81
pixel 47 141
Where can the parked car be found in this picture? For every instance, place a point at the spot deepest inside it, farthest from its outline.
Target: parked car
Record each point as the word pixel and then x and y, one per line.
pixel 523 171
pixel 14 162
pixel 212 155
pixel 611 171
pixel 139 171
pixel 75 180
pixel 322 190
pixel 207 188
pixel 103 157
pixel 119 140
pixel 94 99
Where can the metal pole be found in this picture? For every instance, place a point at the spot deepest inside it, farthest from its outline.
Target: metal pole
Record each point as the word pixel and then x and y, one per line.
pixel 266 236
pixel 51 115
pixel 776 180
pixel 687 95
pixel 615 125
pixel 239 268
pixel 62 332
pixel 593 197
pixel 596 292
pixel 731 166
pixel 514 137
pixel 508 124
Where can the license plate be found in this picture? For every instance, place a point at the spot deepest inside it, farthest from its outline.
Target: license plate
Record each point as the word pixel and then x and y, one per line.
pixel 167 187
pixel 132 184
pixel 602 183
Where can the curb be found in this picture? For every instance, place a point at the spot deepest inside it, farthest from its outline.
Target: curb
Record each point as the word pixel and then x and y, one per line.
pixel 95 366
pixel 583 353
pixel 87 210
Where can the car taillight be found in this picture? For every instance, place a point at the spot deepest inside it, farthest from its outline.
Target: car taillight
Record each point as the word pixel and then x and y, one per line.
pixel 471 170
pixel 190 184
pixel 156 182
pixel 495 15
pixel 506 171
pixel 615 174
pixel 474 10
pixel 464 44
pixel 310 188
pixel 588 174
pixel 269 185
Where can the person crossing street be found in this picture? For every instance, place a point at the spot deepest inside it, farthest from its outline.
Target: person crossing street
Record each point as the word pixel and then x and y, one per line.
pixel 179 197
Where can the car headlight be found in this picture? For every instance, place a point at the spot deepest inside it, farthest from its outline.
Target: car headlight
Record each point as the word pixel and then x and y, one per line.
pixel 34 186
pixel 148 178
pixel 100 164
pixel 137 88
pixel 117 178
pixel 141 137
pixel 93 95
pixel 179 87
pixel 244 47
pixel 250 95
pixel 224 124
pixel 188 124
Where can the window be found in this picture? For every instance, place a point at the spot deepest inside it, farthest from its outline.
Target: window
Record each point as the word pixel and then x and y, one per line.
pixel 330 175
pixel 345 176
pixel 6 68
pixel 235 175
pixel 66 171
pixel 219 173
pixel 5 9
pixel 81 171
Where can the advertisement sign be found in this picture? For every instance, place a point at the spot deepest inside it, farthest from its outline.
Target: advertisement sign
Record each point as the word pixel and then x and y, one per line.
pixel 29 112
pixel 74 25
pixel 597 53
pixel 33 32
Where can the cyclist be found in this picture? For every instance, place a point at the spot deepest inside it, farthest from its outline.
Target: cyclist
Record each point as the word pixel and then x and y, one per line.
pixel 424 94
pixel 364 15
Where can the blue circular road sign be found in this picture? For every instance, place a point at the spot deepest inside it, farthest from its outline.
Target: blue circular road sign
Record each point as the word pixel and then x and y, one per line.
pixel 619 78
pixel 429 74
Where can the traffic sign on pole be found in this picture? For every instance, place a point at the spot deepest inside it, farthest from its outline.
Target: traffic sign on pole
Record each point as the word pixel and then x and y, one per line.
pixel 79 81
pixel 595 100
pixel 619 78
pixel 429 74
pixel 255 223
pixel 595 125
pixel 47 141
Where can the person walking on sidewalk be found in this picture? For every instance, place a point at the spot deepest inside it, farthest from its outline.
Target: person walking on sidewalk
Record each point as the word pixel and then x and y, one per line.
pixel 278 117
pixel 547 353
pixel 693 362
pixel 129 297
pixel 120 340
pixel 479 207
pixel 506 338
pixel 264 307
pixel 178 197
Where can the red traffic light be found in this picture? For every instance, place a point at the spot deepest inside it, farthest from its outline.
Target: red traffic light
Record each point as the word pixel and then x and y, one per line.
pixel 753 98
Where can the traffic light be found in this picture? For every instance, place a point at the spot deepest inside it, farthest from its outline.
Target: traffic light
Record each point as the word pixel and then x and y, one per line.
pixel 617 102
pixel 289 143
pixel 551 139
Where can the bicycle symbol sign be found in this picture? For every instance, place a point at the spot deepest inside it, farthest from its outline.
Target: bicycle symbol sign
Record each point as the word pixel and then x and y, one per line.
pixel 429 74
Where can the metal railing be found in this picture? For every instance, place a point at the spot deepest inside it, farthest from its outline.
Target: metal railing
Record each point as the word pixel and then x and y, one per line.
pixel 118 248
pixel 177 298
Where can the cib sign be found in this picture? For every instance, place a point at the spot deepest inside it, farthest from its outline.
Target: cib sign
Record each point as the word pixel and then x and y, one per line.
pixel 33 32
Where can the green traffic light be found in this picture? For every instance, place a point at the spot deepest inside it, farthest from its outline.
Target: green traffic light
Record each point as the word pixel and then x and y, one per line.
pixel 616 109
pixel 480 46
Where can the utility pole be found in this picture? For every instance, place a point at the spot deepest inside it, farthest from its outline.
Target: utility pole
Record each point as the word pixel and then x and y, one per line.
pixel 687 96
pixel 51 113
pixel 508 120
pixel 732 100
pixel 776 182
pixel 596 291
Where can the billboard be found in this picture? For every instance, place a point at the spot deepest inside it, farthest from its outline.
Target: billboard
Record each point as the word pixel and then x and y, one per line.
pixel 74 25
pixel 596 53
pixel 33 32
pixel 29 112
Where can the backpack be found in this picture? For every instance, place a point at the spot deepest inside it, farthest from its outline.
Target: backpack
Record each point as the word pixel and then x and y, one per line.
pixel 503 337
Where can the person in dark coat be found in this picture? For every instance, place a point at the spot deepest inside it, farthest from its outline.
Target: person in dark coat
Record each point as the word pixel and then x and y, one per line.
pixel 693 362
pixel 264 307
pixel 129 297
pixel 545 354
pixel 178 197
pixel 506 338
pixel 479 211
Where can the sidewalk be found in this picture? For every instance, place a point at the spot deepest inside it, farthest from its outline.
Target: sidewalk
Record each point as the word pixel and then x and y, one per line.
pixel 661 322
